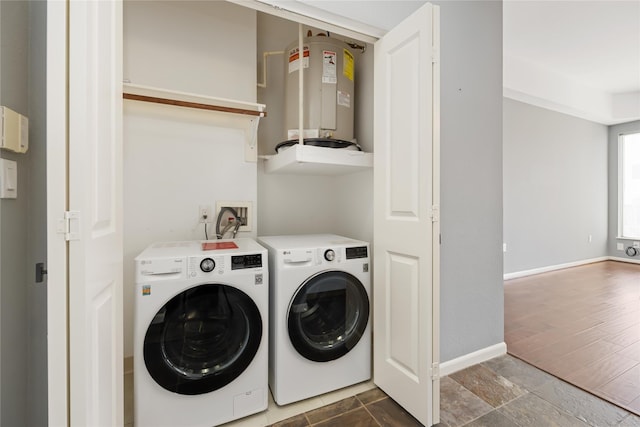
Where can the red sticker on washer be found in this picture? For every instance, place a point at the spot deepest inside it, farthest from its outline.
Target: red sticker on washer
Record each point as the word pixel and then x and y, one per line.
pixel 212 246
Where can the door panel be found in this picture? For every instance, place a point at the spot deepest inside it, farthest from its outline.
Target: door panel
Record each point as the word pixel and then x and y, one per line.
pixel 403 327
pixel 95 193
pixel 406 230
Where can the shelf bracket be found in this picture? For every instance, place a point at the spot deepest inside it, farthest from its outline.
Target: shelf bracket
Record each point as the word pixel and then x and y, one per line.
pixel 251 139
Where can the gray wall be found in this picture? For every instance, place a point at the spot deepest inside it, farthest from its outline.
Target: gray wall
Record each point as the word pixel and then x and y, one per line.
pixel 14 39
pixel 555 188
pixel 472 304
pixel 37 218
pixel 23 309
pixel 614 131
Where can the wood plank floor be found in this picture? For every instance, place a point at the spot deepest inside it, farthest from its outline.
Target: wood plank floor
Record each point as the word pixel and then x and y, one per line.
pixel 582 325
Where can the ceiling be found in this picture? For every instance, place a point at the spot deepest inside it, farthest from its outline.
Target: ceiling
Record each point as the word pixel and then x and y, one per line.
pixel 597 43
pixel 577 57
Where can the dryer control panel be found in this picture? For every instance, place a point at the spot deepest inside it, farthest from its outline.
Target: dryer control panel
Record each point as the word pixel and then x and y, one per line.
pixel 357 252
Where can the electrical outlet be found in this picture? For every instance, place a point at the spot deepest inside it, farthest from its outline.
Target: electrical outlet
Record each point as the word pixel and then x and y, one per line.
pixel 504 247
pixel 204 214
pixel 620 246
pixel 636 245
pixel 244 209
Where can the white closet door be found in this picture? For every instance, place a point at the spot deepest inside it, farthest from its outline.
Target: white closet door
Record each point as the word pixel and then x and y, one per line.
pixel 95 193
pixel 406 228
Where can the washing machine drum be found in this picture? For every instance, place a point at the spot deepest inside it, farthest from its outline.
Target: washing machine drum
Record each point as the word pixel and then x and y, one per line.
pixel 328 315
pixel 202 339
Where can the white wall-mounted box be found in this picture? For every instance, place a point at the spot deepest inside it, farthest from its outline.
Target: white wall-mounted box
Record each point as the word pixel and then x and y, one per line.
pixel 8 179
pixel 14 129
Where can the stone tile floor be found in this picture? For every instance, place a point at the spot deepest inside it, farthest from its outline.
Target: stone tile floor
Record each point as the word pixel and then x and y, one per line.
pixel 502 392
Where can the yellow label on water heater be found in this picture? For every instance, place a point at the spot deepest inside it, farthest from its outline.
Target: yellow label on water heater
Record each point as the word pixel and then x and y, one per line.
pixel 347 65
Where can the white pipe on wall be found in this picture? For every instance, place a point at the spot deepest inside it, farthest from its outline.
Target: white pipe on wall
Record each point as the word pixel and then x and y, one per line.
pixel 265 55
pixel 300 86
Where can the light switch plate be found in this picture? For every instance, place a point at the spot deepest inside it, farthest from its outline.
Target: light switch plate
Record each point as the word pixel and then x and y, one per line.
pixel 14 131
pixel 8 179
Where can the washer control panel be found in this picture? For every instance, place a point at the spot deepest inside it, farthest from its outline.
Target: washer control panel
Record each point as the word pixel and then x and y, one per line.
pixel 326 255
pixel 202 266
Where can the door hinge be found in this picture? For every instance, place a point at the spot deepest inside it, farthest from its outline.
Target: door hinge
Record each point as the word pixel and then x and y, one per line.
pixel 70 225
pixel 435 371
pixel 434 213
pixel 435 55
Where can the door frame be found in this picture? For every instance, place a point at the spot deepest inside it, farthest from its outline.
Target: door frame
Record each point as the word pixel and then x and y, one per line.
pixel 68 388
pixel 57 203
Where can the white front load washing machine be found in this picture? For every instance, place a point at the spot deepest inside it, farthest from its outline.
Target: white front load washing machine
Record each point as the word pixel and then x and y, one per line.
pixel 201 333
pixel 320 324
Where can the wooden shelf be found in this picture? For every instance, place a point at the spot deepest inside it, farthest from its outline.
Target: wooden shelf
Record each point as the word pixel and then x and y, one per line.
pixel 191 100
pixel 310 160
pixel 227 113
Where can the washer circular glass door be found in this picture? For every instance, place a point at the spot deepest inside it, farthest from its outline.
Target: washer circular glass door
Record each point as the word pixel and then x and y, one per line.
pixel 328 315
pixel 202 339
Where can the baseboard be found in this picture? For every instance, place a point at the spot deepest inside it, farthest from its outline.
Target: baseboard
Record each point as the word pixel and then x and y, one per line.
pixel 463 362
pixel 128 365
pixel 620 259
pixel 509 276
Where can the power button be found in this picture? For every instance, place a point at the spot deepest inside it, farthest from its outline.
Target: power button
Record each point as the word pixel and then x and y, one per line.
pixel 329 255
pixel 207 265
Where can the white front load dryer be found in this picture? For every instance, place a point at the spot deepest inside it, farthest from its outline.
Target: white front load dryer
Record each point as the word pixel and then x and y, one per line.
pixel 319 306
pixel 201 333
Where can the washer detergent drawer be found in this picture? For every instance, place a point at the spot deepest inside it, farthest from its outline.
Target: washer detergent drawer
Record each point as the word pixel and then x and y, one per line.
pixel 161 269
pixel 297 257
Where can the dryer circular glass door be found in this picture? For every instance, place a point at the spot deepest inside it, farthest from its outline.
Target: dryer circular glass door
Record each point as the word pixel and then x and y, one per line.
pixel 202 339
pixel 328 315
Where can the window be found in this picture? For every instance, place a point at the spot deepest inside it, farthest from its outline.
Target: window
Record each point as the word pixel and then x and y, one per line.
pixel 629 185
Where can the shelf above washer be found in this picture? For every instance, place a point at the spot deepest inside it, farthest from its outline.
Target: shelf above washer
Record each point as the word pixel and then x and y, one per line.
pixel 228 112
pixel 310 160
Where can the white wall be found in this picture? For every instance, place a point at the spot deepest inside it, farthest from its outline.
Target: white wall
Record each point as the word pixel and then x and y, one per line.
pixel 202 47
pixel 297 204
pixel 555 188
pixel 177 159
